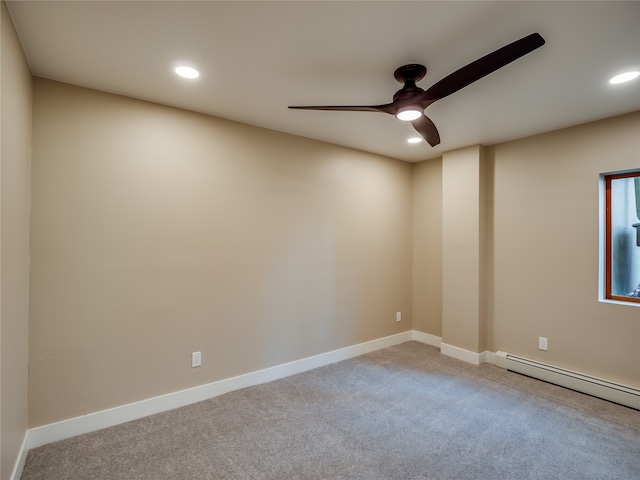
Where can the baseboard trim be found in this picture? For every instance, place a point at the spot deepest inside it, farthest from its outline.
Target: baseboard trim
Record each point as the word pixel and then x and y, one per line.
pixel 488 357
pixel 72 427
pixel 466 355
pixel 107 418
pixel 22 458
pixel 426 338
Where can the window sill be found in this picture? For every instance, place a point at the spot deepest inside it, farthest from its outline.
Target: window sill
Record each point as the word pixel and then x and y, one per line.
pixel 618 302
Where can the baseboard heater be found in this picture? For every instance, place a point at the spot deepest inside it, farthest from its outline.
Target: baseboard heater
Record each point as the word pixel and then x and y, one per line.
pixel 597 387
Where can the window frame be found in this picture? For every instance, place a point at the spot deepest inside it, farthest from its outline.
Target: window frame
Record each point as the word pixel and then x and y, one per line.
pixel 607 240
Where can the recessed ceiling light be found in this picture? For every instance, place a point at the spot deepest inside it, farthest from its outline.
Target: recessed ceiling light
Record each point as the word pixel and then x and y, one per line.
pixel 625 77
pixel 414 140
pixel 186 72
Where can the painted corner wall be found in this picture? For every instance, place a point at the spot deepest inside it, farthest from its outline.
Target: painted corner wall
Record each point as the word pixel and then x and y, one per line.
pixel 427 247
pixel 463 248
pixel 157 232
pixel 541 250
pixel 545 245
pixel 15 159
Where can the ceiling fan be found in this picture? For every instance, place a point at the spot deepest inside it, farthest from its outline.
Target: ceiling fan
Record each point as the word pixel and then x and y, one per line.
pixel 410 101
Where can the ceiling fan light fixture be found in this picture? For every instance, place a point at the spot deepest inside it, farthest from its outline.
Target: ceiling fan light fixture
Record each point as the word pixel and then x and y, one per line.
pixel 624 77
pixel 414 140
pixel 186 72
pixel 407 114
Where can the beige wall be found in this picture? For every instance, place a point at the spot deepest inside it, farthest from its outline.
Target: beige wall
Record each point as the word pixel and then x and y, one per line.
pixel 463 248
pixel 427 247
pixel 542 249
pixel 545 250
pixel 157 232
pixel 15 153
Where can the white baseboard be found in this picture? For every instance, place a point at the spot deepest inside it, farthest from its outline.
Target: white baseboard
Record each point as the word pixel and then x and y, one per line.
pixel 426 338
pixel 107 418
pixel 488 357
pixel 466 355
pixel 72 427
pixel 22 458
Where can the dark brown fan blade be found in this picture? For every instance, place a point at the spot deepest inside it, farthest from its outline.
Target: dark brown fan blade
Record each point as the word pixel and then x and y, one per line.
pixel 481 68
pixel 427 129
pixel 388 108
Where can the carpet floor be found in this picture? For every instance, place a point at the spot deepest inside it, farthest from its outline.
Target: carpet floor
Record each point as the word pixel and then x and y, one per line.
pixel 404 412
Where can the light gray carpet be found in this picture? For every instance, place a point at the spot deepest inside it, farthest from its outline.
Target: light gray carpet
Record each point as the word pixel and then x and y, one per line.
pixel 405 412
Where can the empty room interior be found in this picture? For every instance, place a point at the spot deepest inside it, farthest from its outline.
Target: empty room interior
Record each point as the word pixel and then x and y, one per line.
pixel 166 241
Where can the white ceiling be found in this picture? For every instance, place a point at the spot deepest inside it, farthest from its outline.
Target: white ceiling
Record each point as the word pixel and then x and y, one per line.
pixel 257 58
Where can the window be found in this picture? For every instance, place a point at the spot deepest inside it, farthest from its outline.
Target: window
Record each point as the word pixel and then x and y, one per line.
pixel 622 236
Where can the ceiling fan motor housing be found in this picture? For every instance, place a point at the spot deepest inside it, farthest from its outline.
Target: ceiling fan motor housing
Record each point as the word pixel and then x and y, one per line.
pixel 413 71
pixel 409 75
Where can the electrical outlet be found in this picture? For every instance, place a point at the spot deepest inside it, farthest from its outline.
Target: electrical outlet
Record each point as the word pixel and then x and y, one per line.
pixel 196 359
pixel 398 316
pixel 543 343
